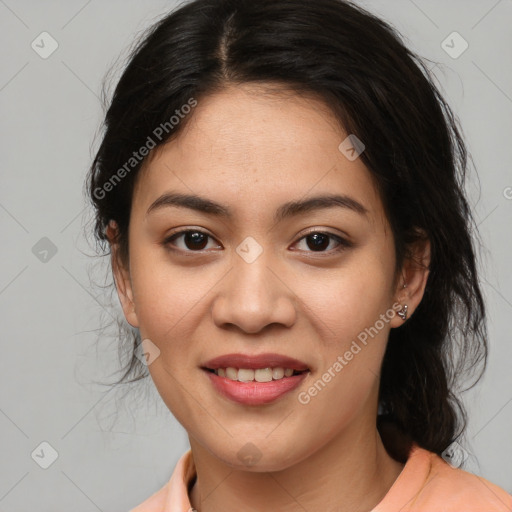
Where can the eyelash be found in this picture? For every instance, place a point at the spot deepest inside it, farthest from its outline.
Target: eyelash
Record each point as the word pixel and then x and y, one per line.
pixel 343 243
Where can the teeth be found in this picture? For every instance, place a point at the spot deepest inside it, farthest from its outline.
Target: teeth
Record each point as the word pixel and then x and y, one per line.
pixel 259 375
pixel 245 375
pixel 277 373
pixel 263 375
pixel 232 373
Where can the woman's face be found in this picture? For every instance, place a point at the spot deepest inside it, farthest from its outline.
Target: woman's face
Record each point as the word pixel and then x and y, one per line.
pixel 260 281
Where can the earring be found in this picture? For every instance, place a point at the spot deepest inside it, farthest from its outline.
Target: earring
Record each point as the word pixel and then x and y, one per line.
pixel 403 313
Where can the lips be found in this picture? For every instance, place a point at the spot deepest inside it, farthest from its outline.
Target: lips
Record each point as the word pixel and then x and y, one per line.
pixel 255 380
pixel 268 360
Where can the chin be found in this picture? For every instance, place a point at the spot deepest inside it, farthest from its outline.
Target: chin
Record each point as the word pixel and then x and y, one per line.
pixel 257 457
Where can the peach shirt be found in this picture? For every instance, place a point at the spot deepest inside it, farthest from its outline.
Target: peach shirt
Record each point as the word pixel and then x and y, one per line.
pixel 427 483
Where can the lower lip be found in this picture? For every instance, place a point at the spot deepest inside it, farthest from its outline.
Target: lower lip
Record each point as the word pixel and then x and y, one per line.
pixel 255 393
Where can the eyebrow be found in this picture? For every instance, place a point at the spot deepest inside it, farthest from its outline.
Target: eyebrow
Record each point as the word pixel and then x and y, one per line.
pixel 287 210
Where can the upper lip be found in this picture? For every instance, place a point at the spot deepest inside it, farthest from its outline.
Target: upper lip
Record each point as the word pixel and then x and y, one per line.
pixel 268 360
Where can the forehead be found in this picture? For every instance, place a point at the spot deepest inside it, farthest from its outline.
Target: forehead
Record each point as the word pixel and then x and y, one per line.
pixel 254 148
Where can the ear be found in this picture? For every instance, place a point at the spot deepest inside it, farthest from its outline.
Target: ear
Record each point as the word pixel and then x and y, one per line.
pixel 121 276
pixel 414 275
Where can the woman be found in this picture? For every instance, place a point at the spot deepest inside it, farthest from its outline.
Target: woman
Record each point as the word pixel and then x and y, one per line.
pixel 280 185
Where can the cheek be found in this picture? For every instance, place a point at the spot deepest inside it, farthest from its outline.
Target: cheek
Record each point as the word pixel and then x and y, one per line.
pixel 166 296
pixel 170 303
pixel 352 329
pixel 348 300
pixel 350 311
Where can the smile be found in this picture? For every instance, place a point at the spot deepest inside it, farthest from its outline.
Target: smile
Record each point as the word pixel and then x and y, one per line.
pixel 254 392
pixel 258 375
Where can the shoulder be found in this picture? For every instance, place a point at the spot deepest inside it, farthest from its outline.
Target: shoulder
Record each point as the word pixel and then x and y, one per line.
pixel 428 483
pixel 174 494
pixel 461 488
pixel 455 490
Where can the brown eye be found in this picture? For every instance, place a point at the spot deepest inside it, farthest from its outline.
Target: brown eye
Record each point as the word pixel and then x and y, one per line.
pixel 319 242
pixel 192 240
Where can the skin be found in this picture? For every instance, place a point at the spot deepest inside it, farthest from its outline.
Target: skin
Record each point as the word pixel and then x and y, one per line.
pixel 253 151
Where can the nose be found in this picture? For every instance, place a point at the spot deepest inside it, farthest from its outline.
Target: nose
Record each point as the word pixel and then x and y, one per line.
pixel 253 296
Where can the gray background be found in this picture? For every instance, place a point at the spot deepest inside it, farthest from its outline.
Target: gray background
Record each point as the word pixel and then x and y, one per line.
pixel 112 454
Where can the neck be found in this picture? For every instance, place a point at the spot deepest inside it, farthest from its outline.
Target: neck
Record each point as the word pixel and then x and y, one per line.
pixel 351 473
